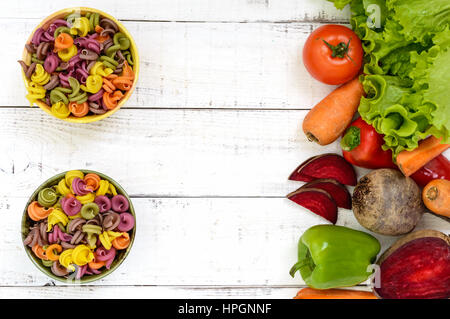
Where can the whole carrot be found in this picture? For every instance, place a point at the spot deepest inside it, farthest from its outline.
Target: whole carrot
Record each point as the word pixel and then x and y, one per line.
pixel 436 196
pixel 410 162
pixel 326 121
pixel 310 293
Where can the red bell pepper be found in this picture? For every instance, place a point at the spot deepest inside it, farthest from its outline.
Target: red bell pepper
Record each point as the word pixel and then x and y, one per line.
pixel 437 168
pixel 361 146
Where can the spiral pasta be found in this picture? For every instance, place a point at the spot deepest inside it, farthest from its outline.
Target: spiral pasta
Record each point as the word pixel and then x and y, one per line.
pixel 60 110
pixel 70 61
pixel 85 199
pixel 107 237
pixel 47 197
pixel 40 76
pixel 79 224
pixel 93 84
pixel 66 54
pixel 92 232
pixel 71 175
pixel 80 27
pixel 55 217
pixel 35 92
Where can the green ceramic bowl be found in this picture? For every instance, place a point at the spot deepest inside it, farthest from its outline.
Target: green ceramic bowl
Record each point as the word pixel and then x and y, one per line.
pixel 121 254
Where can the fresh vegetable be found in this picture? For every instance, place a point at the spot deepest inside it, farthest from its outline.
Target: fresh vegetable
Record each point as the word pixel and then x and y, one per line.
pixel 332 256
pixel 316 200
pixel 326 121
pixel 311 293
pixel 417 266
pixel 437 168
pixel 410 162
pixel 388 203
pixel 362 146
pixel 407 68
pixel 333 54
pixel 325 166
pixel 338 192
pixel 436 197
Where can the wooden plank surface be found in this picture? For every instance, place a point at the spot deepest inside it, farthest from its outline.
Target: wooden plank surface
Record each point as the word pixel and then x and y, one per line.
pixel 160 152
pixel 195 242
pixel 188 11
pixel 204 147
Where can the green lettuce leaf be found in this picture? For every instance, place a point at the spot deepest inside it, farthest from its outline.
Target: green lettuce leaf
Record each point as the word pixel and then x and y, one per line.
pixel 407 68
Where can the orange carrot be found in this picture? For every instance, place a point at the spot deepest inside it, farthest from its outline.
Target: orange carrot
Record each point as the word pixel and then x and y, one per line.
pixel 436 196
pixel 310 293
pixel 326 122
pixel 410 162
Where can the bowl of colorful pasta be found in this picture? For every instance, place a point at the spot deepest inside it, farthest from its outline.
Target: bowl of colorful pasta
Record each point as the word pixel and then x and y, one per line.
pixel 80 65
pixel 78 226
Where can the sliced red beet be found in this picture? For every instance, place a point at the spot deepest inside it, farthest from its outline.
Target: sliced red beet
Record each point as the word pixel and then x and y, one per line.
pixel 419 269
pixel 316 200
pixel 338 191
pixel 331 166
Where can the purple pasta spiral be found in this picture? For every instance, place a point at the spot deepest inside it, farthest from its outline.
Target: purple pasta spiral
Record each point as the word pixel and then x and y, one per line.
pixel 102 254
pixel 111 221
pixel 126 222
pixel 57 235
pixel 58 269
pixel 79 187
pixel 103 203
pixel 120 203
pixel 70 205
pixel 97 96
pixel 88 43
pixel 51 62
pixel 75 225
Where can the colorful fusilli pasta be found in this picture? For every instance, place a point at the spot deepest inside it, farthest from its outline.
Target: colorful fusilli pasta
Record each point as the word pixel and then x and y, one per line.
pixel 79 224
pixel 71 61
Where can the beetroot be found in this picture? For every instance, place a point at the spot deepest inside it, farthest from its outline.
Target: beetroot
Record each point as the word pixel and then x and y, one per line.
pixel 416 267
pixel 316 200
pixel 325 166
pixel 337 191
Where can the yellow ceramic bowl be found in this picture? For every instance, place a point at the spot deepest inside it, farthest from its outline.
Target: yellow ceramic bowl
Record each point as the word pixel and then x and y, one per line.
pixel 133 50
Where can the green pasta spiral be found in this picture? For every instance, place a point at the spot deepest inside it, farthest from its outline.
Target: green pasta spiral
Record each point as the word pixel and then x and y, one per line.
pixel 128 57
pixel 58 94
pixel 89 210
pixel 112 50
pixel 109 62
pixel 122 40
pixel 76 95
pixel 94 20
pixel 92 231
pixel 47 197
pixel 60 30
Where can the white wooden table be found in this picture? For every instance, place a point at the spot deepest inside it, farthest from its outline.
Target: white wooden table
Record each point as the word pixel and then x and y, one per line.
pixel 204 147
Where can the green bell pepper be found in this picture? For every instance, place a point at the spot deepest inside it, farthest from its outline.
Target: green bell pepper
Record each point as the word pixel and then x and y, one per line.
pixel 332 256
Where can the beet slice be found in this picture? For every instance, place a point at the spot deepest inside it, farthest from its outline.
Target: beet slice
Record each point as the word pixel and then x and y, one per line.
pixel 337 191
pixel 416 267
pixel 316 200
pixel 329 165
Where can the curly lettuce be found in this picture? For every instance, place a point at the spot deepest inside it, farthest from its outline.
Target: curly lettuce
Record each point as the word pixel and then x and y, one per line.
pixel 407 68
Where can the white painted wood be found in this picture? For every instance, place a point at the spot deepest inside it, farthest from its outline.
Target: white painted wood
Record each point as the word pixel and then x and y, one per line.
pixel 196 241
pixel 208 185
pixel 144 292
pixel 187 10
pixel 201 65
pixel 160 152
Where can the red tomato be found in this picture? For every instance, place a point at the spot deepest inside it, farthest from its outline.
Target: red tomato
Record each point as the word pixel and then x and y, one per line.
pixel 333 54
